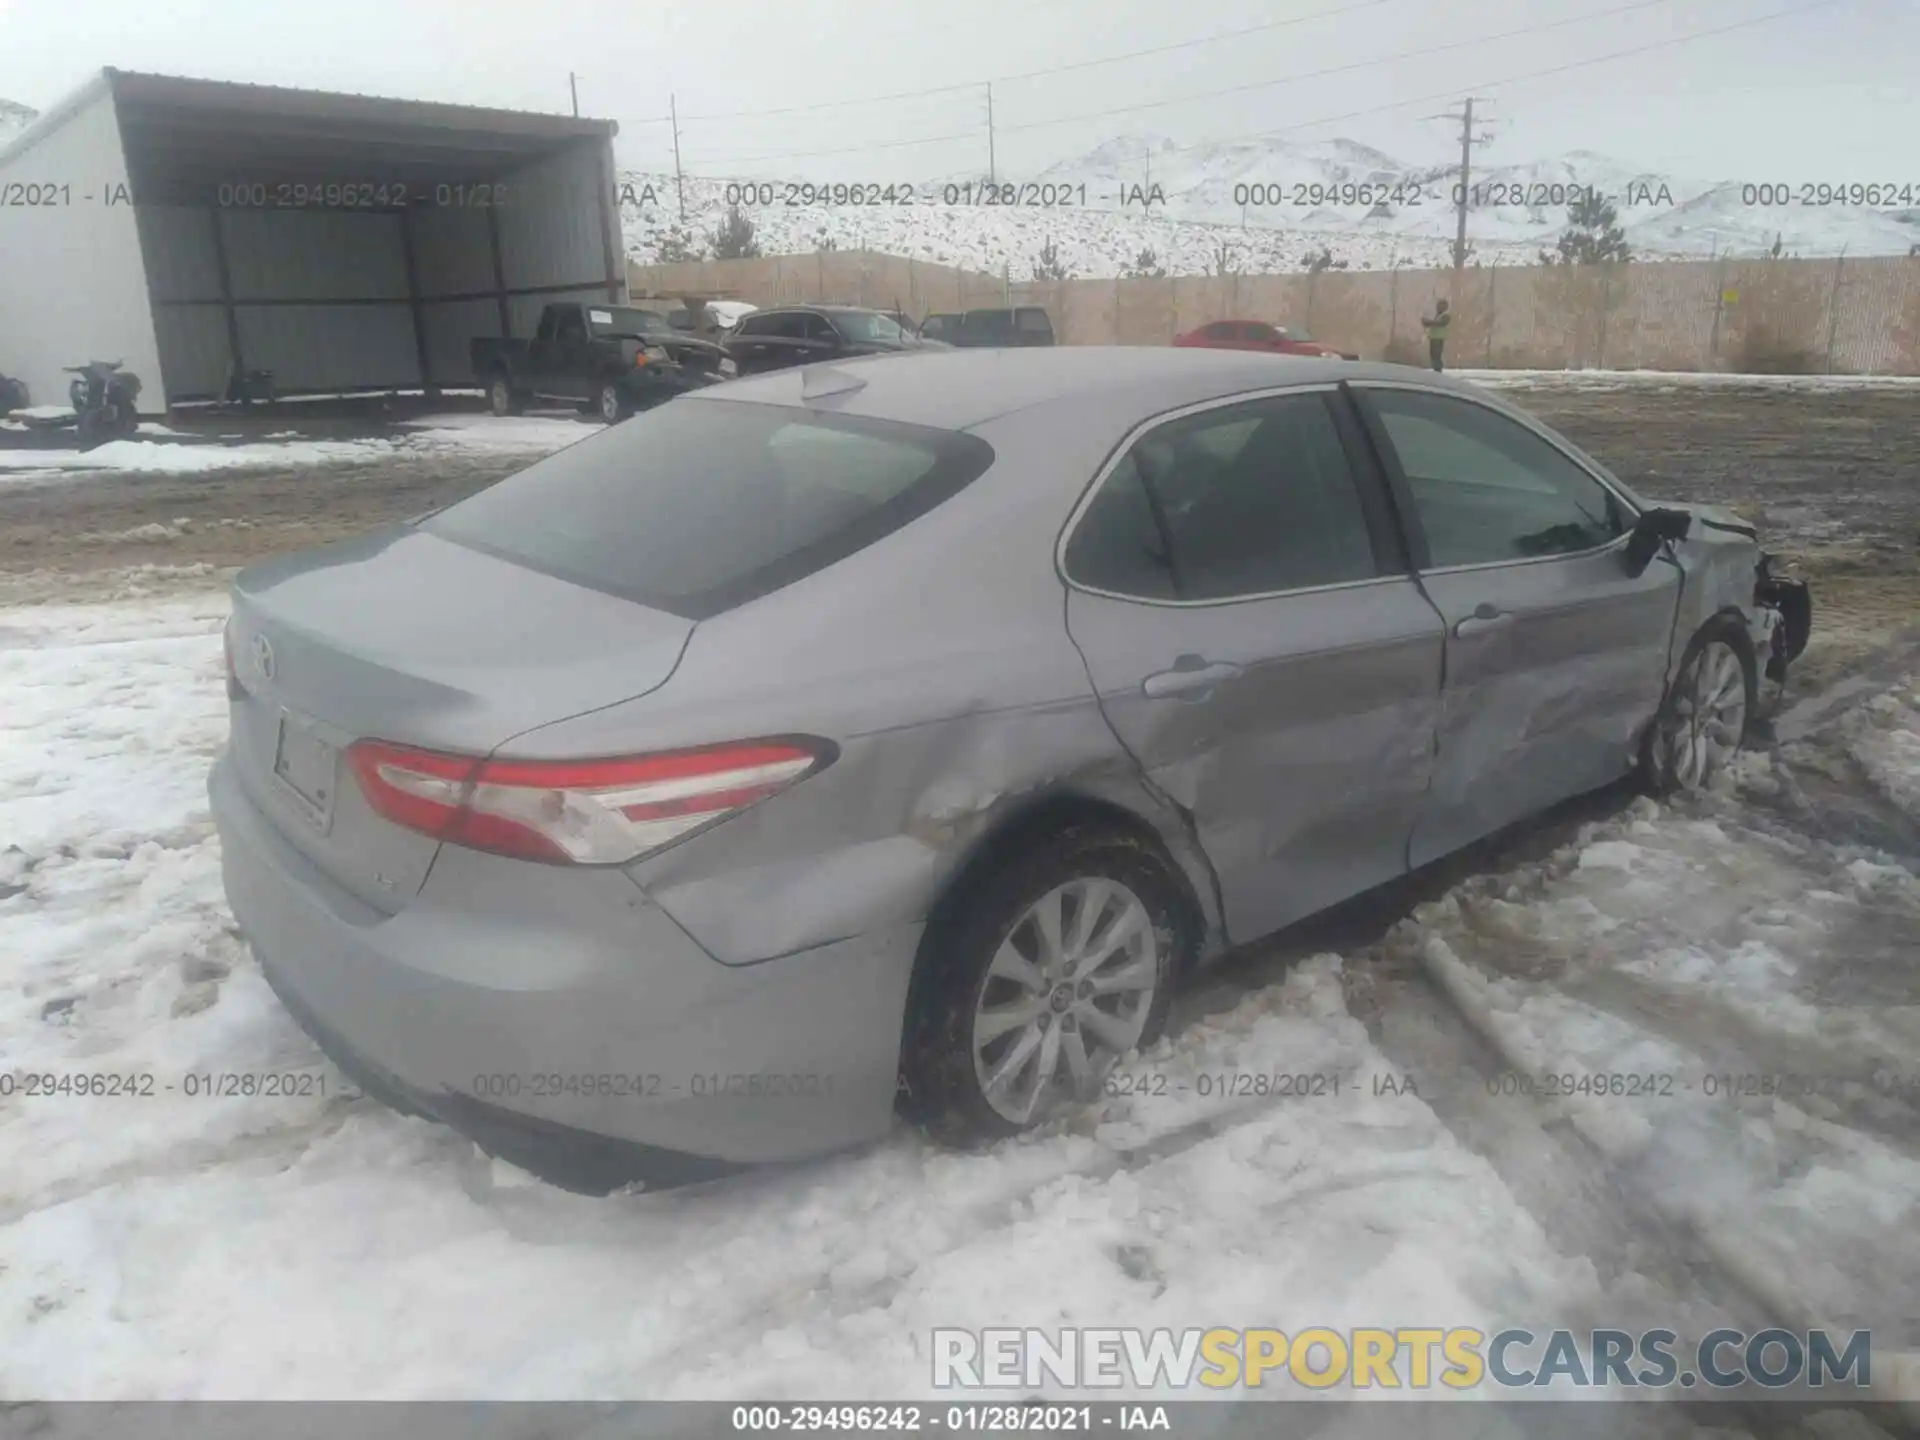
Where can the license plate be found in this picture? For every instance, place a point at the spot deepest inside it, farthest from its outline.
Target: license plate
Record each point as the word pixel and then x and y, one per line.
pixel 306 765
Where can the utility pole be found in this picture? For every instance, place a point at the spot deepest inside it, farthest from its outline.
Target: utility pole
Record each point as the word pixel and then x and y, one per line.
pixel 679 183
pixel 574 86
pixel 992 169
pixel 1466 184
pixel 1464 115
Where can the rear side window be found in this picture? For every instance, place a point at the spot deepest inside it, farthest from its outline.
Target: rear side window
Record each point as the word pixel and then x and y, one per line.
pixel 988 322
pixel 1242 500
pixel 698 506
pixel 1035 322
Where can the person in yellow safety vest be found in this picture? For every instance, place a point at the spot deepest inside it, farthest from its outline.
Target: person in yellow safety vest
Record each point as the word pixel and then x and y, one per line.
pixel 1436 326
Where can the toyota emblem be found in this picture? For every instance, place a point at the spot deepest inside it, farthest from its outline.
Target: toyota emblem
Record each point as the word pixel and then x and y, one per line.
pixel 262 657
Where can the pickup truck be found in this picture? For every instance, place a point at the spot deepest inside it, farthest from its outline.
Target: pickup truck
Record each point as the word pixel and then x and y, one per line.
pixel 609 359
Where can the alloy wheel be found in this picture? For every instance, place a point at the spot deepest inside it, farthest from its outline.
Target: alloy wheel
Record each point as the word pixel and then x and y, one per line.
pixel 1709 716
pixel 1067 994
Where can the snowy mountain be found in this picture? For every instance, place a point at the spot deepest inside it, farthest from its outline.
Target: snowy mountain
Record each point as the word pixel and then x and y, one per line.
pixel 1274 203
pixel 14 118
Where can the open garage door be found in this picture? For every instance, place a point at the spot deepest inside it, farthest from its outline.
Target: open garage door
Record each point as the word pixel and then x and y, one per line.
pixel 348 243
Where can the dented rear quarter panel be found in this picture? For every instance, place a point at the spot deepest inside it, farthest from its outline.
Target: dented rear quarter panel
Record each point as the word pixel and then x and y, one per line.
pixel 955 697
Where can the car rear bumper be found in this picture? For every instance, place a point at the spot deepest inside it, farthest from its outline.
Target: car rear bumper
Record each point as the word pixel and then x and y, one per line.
pixel 563 1020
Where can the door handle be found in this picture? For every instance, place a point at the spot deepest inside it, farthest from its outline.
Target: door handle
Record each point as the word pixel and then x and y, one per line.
pixel 1485 617
pixel 1193 677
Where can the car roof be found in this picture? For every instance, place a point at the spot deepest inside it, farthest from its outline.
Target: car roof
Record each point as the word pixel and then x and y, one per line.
pixel 958 389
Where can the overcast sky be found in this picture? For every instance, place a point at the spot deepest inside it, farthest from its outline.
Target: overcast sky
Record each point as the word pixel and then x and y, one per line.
pixel 1828 92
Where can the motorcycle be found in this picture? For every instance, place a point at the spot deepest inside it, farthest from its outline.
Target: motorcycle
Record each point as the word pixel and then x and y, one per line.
pixel 103 397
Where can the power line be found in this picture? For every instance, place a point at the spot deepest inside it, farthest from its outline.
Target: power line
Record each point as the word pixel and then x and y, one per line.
pixel 1513 79
pixel 1342 69
pixel 1329 119
pixel 1052 69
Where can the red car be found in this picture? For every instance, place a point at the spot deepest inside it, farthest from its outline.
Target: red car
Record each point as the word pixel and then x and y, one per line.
pixel 1257 335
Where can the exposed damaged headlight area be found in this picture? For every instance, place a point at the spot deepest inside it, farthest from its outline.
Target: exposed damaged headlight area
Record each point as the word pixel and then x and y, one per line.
pixel 1789 599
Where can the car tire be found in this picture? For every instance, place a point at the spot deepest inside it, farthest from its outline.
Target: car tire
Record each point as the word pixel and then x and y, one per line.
pixel 503 398
pixel 964 984
pixel 93 430
pixel 610 403
pixel 1708 711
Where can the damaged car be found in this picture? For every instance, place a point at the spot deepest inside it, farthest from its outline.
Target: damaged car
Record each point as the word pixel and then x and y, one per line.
pixel 893 735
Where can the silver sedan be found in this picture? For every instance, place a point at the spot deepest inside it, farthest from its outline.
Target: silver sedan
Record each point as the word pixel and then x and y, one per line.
pixel 893 735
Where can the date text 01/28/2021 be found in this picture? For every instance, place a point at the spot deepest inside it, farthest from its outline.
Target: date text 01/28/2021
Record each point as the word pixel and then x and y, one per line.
pixel 980 1419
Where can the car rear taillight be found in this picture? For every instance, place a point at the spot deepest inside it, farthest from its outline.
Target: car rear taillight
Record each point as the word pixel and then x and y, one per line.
pixel 235 690
pixel 576 812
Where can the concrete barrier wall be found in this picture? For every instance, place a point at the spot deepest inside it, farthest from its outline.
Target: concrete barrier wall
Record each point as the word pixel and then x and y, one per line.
pixel 1840 316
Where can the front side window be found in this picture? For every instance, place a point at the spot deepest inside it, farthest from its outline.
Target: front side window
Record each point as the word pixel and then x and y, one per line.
pixel 1242 500
pixel 1488 489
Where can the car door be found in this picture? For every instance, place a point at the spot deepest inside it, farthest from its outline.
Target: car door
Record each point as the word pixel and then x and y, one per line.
pixel 766 341
pixel 1556 653
pixel 542 352
pixel 1239 593
pixel 570 376
pixel 823 341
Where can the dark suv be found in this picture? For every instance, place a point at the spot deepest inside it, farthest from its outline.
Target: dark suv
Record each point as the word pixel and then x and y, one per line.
pixel 1017 325
pixel 799 334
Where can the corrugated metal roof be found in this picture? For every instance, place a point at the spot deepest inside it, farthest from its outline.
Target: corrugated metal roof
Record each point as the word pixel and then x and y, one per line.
pixel 186 93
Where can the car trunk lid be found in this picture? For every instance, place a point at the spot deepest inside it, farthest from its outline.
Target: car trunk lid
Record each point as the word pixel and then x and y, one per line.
pixel 414 639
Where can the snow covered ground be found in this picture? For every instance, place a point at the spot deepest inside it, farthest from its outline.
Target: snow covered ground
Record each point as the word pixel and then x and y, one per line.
pixel 176 453
pixel 1275 202
pixel 324 1247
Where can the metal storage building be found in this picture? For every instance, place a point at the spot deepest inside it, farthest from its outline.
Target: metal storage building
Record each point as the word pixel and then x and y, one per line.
pixel 342 242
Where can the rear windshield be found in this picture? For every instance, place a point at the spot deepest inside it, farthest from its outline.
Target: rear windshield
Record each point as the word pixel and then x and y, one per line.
pixel 697 506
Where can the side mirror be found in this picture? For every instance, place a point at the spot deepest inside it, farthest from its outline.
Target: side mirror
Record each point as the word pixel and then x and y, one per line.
pixel 1653 529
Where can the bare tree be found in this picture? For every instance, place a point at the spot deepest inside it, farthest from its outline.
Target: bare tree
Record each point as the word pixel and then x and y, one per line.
pixel 1048 265
pixel 676 244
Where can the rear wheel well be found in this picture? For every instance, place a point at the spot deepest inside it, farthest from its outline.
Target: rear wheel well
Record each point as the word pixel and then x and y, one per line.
pixel 1048 818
